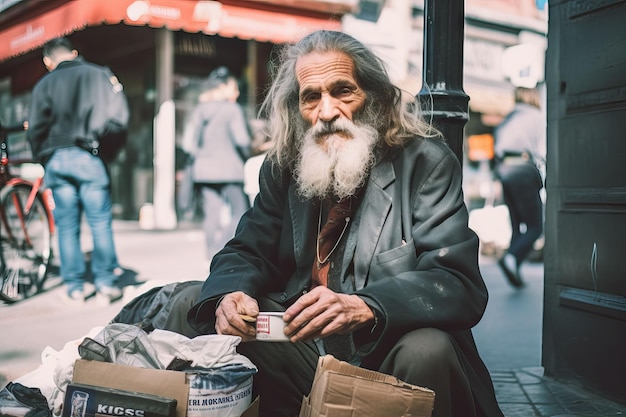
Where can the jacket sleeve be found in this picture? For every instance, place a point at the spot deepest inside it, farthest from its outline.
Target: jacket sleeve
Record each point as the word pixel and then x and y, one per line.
pixel 110 105
pixel 433 278
pixel 39 119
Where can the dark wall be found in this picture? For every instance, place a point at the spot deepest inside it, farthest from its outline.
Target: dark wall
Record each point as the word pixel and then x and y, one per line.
pixel 584 335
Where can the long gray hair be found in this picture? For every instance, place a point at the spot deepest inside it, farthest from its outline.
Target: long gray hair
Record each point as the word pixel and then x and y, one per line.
pixel 394 120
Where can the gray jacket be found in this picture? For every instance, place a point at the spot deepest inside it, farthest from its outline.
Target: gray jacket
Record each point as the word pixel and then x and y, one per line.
pixel 218 139
pixel 523 130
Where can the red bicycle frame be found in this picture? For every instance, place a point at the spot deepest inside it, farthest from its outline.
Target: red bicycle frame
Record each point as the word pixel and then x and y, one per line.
pixel 23 212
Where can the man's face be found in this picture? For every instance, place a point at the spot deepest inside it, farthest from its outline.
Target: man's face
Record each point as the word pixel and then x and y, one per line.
pixel 336 149
pixel 328 90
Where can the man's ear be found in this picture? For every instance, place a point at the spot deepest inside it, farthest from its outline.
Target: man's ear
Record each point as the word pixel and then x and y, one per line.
pixel 48 63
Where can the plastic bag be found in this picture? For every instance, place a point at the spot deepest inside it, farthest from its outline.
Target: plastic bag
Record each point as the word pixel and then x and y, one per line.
pixel 16 400
pixel 127 344
pixel 123 344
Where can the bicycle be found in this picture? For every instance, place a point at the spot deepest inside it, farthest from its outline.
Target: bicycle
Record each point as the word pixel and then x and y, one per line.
pixel 26 224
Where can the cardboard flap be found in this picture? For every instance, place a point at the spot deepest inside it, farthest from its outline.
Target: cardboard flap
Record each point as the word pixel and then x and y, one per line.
pixel 168 384
pixel 343 390
pixel 329 363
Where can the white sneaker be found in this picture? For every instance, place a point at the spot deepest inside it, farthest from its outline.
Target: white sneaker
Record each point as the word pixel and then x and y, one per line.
pixel 108 295
pixel 76 297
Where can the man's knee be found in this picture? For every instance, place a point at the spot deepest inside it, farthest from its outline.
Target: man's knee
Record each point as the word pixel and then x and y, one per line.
pixel 426 344
pixel 428 358
pixel 420 354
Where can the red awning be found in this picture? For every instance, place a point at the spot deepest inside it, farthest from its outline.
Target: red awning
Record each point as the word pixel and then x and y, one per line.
pixel 210 17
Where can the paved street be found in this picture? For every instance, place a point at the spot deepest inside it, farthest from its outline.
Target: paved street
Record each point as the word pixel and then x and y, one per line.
pixel 156 257
pixel 508 337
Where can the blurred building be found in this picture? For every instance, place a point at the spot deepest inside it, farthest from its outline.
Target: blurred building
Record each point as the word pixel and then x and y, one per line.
pixel 159 49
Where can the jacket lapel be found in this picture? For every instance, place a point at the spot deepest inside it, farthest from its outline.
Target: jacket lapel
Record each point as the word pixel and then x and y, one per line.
pixel 373 213
pixel 304 230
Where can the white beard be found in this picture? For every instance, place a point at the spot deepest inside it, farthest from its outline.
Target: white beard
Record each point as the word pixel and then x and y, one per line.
pixel 340 170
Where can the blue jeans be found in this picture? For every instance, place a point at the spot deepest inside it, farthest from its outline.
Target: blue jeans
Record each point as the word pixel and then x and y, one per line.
pixel 80 183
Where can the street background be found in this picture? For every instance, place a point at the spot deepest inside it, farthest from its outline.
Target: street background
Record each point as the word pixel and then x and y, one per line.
pixel 508 337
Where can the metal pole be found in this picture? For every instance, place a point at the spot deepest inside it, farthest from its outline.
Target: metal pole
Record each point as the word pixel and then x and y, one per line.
pixel 442 97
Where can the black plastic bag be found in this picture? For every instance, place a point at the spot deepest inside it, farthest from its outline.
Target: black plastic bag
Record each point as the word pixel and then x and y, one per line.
pixel 16 400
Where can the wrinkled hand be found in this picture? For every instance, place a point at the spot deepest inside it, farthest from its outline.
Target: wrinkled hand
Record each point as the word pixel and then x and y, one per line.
pixel 227 316
pixel 322 312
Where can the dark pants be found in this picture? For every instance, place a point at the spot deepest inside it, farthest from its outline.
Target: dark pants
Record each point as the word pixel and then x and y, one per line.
pixel 521 184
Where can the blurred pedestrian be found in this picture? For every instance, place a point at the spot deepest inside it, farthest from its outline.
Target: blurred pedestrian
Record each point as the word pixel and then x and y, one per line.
pixel 68 108
pixel 520 147
pixel 217 138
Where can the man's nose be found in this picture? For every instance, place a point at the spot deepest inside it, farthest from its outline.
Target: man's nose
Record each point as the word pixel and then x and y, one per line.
pixel 329 109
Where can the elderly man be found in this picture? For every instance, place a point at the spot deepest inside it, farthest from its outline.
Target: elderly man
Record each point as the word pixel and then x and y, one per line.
pixel 359 234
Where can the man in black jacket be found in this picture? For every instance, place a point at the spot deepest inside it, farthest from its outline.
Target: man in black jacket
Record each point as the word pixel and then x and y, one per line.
pixel 68 114
pixel 359 234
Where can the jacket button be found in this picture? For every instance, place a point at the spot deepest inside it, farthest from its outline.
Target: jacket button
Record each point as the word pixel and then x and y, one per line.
pixel 332 264
pixel 304 292
pixel 283 296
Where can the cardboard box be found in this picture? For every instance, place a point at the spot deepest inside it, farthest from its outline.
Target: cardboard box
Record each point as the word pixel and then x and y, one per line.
pixel 342 390
pixel 167 384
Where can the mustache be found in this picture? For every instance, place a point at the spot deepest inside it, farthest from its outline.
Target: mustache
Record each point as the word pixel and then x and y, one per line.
pixel 321 128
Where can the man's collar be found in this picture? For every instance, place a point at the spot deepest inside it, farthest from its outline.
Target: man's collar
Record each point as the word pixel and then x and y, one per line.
pixel 78 60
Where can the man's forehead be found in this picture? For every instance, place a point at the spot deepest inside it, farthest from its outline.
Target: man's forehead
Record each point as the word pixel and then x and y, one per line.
pixel 317 67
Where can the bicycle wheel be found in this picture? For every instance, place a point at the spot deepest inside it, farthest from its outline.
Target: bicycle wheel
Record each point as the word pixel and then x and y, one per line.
pixel 26 243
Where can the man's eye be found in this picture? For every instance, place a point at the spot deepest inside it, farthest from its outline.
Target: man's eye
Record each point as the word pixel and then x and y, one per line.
pixel 344 91
pixel 310 98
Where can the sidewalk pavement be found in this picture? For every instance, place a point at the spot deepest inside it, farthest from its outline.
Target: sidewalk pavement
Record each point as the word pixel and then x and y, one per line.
pixel 159 257
pixel 528 392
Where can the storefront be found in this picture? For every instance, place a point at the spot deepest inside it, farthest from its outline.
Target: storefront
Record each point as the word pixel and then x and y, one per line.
pixel 159 49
